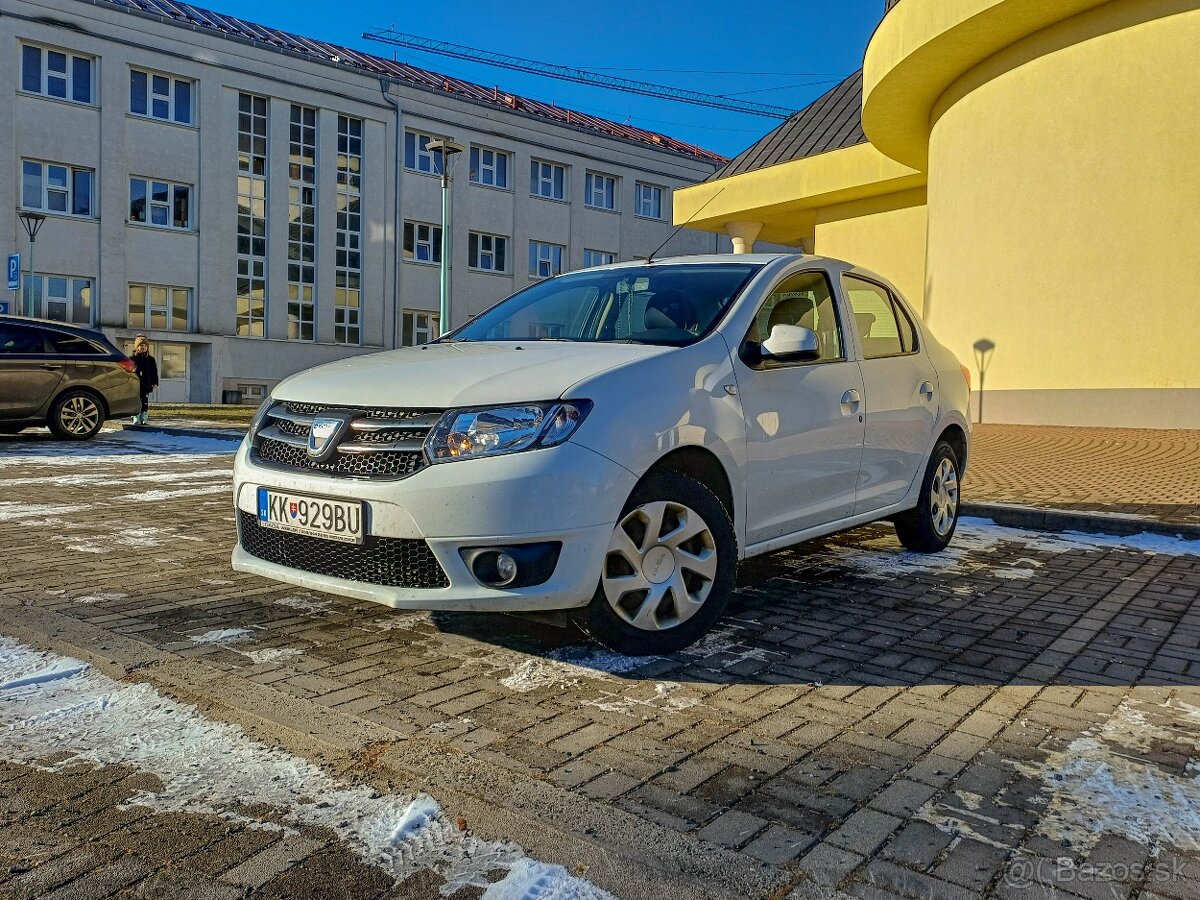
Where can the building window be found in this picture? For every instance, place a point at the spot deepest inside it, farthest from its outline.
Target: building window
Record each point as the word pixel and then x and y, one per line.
pixel 63 298
pixel 600 191
pixel 55 73
pixel 422 242
pixel 252 216
pixel 417 155
pixel 648 199
pixel 160 96
pixel 598 258
pixel 547 179
pixel 347 304
pixel 57 188
pixel 489 167
pixel 487 252
pixel 545 259
pixel 160 203
pixel 419 328
pixel 302 223
pixel 159 307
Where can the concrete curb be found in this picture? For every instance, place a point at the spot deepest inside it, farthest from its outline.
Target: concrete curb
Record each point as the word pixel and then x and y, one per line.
pixel 216 432
pixel 1046 519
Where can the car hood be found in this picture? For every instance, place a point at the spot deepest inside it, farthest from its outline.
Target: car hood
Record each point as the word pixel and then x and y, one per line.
pixel 459 374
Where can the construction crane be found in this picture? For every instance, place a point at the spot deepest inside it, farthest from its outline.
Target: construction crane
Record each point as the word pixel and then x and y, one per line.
pixel 580 76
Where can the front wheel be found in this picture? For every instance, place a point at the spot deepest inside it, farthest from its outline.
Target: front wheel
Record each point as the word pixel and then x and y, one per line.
pixel 668 572
pixel 76 416
pixel 929 527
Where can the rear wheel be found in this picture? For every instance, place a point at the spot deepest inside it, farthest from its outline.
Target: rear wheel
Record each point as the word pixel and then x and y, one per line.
pixel 76 416
pixel 668 572
pixel 929 527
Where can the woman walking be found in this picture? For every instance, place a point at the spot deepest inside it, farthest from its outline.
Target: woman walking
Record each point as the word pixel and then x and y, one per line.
pixel 147 373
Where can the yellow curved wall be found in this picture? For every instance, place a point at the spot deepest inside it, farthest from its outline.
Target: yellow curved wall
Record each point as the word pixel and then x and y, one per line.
pixel 885 234
pixel 1064 206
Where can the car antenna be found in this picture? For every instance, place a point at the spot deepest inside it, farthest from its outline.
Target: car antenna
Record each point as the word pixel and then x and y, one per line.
pixel 650 258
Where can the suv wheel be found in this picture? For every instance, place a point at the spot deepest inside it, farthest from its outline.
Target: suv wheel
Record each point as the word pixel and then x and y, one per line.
pixel 76 416
pixel 929 527
pixel 668 572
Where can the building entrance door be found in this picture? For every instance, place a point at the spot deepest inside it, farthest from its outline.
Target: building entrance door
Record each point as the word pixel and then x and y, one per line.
pixel 173 377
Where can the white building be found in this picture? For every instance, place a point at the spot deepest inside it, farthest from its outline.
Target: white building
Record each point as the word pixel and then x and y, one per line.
pixel 257 202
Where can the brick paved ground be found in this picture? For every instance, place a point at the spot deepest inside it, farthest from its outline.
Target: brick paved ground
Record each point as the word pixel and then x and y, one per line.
pixel 1143 472
pixel 864 723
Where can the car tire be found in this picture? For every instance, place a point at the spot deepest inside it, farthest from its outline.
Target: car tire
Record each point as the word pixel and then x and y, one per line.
pixel 658 593
pixel 76 416
pixel 929 527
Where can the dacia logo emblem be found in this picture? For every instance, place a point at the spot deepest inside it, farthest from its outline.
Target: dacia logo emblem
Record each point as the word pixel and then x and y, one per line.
pixel 322 437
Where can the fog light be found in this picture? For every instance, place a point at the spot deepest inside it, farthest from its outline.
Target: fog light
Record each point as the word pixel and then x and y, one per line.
pixel 513 566
pixel 506 568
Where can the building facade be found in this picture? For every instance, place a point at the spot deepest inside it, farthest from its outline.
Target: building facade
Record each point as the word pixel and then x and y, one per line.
pixel 257 203
pixel 1026 172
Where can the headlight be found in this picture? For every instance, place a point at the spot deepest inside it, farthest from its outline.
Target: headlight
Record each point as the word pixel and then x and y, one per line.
pixel 472 433
pixel 260 418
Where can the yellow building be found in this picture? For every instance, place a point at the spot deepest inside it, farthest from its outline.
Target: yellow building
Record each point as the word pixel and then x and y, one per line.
pixel 1028 173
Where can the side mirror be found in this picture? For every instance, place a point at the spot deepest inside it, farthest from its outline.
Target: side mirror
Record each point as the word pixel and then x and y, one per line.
pixel 791 343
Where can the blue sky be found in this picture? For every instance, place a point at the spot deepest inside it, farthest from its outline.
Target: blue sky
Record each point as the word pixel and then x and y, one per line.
pixel 772 53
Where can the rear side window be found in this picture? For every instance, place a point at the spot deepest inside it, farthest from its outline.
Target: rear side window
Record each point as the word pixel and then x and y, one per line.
pixel 884 328
pixel 69 343
pixel 19 339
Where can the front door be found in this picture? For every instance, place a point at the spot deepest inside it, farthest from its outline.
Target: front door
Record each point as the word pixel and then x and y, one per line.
pixel 173 378
pixel 901 395
pixel 29 374
pixel 804 432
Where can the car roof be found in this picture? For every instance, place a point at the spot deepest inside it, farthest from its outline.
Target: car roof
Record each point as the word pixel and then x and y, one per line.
pixel 52 323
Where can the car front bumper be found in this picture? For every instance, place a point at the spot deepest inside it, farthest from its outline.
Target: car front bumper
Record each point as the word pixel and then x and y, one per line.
pixel 566 494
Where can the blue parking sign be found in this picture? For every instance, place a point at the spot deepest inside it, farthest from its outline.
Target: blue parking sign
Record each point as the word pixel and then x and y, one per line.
pixel 14 271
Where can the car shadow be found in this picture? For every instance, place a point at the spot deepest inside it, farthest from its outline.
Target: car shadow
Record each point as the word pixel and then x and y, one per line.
pixel 839 611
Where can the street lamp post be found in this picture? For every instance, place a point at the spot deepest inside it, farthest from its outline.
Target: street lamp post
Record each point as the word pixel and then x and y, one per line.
pixel 447 150
pixel 32 222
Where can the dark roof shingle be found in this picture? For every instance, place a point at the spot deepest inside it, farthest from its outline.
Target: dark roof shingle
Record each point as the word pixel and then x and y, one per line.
pixel 230 26
pixel 831 122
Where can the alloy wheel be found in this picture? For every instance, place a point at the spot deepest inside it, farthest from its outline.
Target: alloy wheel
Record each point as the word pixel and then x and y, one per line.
pixel 660 565
pixel 943 497
pixel 79 415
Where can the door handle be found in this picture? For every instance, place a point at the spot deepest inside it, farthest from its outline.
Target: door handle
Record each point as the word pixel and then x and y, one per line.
pixel 926 390
pixel 851 396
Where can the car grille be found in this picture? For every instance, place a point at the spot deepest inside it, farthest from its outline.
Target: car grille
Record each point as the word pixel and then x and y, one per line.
pixel 395 562
pixel 381 442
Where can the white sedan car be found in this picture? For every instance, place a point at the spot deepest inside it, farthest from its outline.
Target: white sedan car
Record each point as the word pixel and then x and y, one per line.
pixel 611 442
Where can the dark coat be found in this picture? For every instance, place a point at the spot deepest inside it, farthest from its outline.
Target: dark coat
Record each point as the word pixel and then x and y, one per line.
pixel 147 371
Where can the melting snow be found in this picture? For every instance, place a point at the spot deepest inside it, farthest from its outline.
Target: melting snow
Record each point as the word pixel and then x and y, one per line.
pixel 48 701
pixel 150 496
pixel 1099 785
pixel 222 636
pixel 34 511
pixel 274 655
pixel 304 604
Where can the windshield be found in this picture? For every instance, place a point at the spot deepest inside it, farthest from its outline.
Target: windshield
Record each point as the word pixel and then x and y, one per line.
pixel 651 304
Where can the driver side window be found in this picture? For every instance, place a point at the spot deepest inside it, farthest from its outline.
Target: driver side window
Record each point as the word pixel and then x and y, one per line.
pixel 804 300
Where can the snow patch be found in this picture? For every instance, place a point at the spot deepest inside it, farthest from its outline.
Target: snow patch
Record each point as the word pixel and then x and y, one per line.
pixel 214 768
pixel 272 655
pixel 151 496
pixel 661 701
pixel 35 511
pixel 101 598
pixel 402 623
pixel 1098 785
pixel 565 667
pixel 304 604
pixel 222 636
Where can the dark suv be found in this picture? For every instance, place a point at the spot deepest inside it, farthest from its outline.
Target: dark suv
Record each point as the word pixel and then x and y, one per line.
pixel 63 376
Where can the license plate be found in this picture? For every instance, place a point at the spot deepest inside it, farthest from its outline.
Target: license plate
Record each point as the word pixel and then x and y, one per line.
pixel 333 520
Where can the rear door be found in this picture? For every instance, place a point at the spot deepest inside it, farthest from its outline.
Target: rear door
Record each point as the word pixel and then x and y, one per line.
pixel 29 373
pixel 804 433
pixel 900 394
